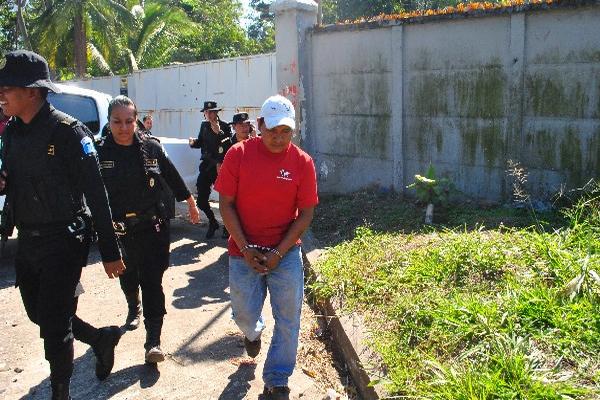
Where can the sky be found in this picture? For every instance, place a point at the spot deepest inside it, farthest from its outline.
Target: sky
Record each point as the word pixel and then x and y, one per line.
pixel 245 21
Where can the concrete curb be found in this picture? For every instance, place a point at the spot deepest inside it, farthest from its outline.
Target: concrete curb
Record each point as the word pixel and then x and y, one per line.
pixel 346 344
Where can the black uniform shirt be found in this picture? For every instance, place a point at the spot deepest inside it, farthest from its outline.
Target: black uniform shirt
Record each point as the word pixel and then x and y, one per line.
pixel 214 146
pixel 51 164
pixel 130 188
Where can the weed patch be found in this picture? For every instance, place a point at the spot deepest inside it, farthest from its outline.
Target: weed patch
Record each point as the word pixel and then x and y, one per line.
pixel 467 312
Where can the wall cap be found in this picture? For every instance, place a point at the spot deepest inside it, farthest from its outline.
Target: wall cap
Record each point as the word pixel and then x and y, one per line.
pixel 281 6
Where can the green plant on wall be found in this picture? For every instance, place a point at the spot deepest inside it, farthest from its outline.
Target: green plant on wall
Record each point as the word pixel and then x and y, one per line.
pixel 431 191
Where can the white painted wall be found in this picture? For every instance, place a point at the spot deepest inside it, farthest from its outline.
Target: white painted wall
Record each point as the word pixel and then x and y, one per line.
pixel 175 94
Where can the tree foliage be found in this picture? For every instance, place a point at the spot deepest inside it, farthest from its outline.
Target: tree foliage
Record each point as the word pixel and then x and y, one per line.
pixel 102 37
pixel 8 21
pixel 262 28
pixel 342 10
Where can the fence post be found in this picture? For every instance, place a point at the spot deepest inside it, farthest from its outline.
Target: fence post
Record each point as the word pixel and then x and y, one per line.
pixel 292 20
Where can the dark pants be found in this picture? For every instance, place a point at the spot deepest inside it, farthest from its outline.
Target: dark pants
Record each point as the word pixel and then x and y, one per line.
pixel 146 256
pixel 206 179
pixel 48 269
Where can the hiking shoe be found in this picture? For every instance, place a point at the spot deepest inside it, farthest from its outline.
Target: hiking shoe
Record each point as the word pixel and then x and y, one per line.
pixel 105 350
pixel 252 348
pixel 155 355
pixel 277 393
pixel 212 227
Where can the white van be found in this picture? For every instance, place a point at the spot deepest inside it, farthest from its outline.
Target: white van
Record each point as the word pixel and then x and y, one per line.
pixel 88 106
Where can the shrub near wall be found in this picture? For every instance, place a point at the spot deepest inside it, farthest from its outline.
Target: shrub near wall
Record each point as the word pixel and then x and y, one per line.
pixel 509 313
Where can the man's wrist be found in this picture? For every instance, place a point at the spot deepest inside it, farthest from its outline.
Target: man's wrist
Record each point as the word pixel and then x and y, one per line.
pixel 276 252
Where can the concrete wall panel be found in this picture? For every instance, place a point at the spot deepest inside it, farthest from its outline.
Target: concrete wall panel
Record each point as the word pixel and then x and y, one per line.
pixel 466 94
pixel 457 44
pixel 347 174
pixel 352 52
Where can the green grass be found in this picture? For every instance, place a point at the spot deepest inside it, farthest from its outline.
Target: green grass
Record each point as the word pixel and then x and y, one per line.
pixel 475 313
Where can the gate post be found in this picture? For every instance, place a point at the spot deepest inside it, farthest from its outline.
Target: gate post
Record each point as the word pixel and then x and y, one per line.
pixel 292 20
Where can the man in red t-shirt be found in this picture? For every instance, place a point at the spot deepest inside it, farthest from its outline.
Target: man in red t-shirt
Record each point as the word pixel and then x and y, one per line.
pixel 268 192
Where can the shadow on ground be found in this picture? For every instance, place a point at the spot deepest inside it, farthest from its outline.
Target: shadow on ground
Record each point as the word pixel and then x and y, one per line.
pixel 84 384
pixel 239 383
pixel 198 293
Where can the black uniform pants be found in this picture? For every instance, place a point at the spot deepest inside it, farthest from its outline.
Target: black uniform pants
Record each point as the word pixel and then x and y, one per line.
pixel 206 179
pixel 146 257
pixel 48 269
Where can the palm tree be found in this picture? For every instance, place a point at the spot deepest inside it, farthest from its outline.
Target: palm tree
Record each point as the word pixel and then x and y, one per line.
pixel 151 40
pixel 75 21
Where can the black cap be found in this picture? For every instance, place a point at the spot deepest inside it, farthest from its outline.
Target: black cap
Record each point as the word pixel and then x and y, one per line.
pixel 239 118
pixel 210 106
pixel 23 68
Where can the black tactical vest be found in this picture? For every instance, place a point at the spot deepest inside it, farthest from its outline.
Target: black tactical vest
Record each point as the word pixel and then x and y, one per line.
pixel 40 190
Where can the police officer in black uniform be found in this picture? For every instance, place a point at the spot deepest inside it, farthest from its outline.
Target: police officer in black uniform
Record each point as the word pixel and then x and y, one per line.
pixel 242 130
pixel 242 127
pixel 214 140
pixel 48 164
pixel 137 174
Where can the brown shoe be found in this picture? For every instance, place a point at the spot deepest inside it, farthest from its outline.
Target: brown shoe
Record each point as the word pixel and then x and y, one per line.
pixel 277 393
pixel 252 348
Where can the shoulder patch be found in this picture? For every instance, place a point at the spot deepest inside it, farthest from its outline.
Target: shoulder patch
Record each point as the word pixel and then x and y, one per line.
pixel 67 120
pixel 88 146
pixel 151 162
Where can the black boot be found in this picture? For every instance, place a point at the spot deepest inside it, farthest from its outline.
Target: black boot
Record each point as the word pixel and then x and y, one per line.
pixel 213 225
pixel 60 391
pixel 104 349
pixel 134 310
pixel 154 354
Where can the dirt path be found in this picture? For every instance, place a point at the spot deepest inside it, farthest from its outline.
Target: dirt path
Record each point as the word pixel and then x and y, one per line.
pixel 206 358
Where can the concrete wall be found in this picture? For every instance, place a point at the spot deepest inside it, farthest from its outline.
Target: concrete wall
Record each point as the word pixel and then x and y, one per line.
pixel 466 94
pixel 175 94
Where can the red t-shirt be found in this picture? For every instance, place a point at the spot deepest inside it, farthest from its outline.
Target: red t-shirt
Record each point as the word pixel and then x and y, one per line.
pixel 269 188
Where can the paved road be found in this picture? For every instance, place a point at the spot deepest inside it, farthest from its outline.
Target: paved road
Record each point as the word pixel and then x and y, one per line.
pixel 206 358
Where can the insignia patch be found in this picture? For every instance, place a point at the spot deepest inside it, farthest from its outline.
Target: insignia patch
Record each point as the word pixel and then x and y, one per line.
pixel 2 61
pixel 151 182
pixel 50 149
pixel 107 164
pixel 151 162
pixel 88 146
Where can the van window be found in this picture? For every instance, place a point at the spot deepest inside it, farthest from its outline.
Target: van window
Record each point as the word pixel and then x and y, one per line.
pixel 81 107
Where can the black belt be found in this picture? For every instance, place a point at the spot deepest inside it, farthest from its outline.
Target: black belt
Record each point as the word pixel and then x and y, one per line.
pixel 42 230
pixel 135 221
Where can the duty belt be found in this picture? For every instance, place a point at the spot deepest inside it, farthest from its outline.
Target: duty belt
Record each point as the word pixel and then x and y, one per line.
pixel 134 220
pixel 78 227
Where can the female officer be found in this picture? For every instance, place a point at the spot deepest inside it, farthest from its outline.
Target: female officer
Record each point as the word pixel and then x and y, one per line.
pixel 137 173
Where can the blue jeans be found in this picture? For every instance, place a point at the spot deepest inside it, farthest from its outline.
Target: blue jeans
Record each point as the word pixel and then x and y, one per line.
pixel 286 288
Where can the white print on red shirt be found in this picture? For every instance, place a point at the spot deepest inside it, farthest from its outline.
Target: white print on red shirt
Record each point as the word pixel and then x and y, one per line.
pixel 283 174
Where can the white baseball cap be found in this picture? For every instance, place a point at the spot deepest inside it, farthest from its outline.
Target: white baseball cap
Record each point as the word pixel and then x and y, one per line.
pixel 277 110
